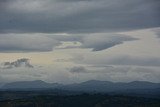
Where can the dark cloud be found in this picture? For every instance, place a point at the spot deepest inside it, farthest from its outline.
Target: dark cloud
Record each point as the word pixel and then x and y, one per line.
pixel 100 42
pixel 47 42
pixel 78 69
pixel 75 16
pixel 24 62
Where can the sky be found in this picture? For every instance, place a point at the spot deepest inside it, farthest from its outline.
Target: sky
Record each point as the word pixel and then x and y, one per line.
pixel 68 41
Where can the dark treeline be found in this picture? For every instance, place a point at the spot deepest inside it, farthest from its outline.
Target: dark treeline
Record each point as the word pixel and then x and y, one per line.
pixel 81 100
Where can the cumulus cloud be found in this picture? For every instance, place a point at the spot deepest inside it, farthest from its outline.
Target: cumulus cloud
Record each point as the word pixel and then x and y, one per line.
pixel 24 62
pixel 26 43
pixel 78 15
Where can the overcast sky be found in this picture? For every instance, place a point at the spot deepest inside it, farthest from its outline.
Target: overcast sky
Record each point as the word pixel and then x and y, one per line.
pixel 71 41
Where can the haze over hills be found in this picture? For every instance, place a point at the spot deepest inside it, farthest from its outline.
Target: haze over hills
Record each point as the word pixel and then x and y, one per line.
pixel 88 86
pixel 107 86
pixel 37 84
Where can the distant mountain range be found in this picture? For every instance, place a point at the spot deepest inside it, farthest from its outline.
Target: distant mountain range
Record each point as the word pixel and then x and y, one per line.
pixel 88 86
pixel 38 84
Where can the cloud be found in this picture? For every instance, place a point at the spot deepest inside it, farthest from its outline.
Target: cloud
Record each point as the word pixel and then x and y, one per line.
pixel 38 42
pixel 26 43
pixel 63 60
pixel 24 62
pixel 100 42
pixel 77 16
pixel 118 73
pixel 78 69
pixel 95 41
pixel 74 0
pixel 134 60
pixel 118 60
pixel 100 69
pixel 157 32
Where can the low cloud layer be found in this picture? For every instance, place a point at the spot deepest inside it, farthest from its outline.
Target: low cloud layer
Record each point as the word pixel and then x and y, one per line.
pixel 133 60
pixel 78 69
pixel 157 31
pixel 100 42
pixel 47 42
pixel 26 43
pixel 96 41
pixel 24 62
pixel 118 73
pixel 121 60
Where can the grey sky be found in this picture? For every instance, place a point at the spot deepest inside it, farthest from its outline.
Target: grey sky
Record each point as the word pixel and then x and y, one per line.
pixel 78 16
pixel 76 40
